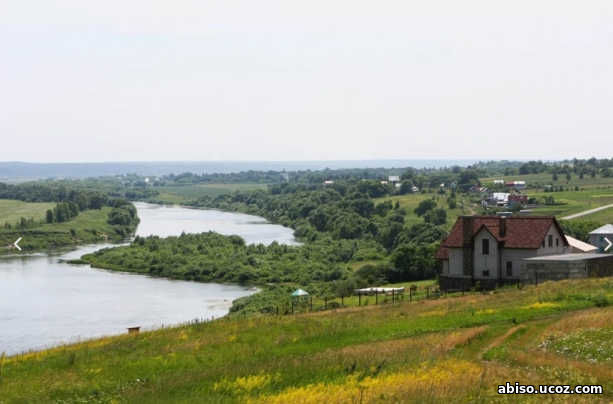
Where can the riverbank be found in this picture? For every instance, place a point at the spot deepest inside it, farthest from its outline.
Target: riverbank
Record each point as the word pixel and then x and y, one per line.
pixel 90 226
pixel 60 302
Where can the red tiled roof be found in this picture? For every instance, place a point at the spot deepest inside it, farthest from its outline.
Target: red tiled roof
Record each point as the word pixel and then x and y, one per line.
pixel 520 232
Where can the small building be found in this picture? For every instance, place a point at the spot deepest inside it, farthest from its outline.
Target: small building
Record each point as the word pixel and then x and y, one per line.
pixel 393 178
pixel 499 198
pixel 516 184
pixel 491 249
pixel 328 182
pixel 600 236
pixel 414 189
pixel 498 182
pixel 578 246
pixel 567 266
pixel 518 198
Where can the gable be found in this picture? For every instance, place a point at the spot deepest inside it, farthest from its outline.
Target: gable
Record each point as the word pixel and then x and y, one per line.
pixel 513 232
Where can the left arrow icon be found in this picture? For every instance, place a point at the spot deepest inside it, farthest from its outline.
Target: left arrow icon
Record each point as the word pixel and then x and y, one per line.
pixel 16 243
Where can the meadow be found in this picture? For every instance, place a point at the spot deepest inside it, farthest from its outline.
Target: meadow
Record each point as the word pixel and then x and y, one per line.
pixel 455 349
pixel 11 211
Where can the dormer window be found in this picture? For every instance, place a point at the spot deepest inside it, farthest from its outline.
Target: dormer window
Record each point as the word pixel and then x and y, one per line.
pixel 485 247
pixel 550 240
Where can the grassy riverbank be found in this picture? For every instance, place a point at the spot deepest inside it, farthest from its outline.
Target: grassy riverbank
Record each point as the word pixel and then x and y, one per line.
pixel 456 349
pixel 89 226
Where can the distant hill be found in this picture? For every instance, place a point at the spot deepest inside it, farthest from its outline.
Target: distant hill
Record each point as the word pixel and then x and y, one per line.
pixel 16 171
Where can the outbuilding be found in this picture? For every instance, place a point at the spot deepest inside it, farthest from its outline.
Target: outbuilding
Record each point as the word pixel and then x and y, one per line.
pixel 567 266
pixel 602 237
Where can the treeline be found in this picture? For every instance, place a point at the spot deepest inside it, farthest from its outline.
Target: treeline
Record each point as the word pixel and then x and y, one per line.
pixel 42 192
pixel 580 167
pixel 425 177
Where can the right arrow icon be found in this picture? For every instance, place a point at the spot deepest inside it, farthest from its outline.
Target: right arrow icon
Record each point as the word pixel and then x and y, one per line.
pixel 609 244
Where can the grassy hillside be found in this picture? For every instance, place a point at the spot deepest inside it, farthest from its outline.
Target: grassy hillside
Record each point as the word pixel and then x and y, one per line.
pixel 453 349
pixel 410 201
pixel 11 211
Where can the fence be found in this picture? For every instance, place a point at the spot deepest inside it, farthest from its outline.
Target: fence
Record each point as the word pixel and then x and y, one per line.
pixel 306 304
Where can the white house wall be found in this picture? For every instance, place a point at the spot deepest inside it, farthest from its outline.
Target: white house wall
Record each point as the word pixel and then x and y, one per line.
pixel 456 260
pixel 560 249
pixel 485 262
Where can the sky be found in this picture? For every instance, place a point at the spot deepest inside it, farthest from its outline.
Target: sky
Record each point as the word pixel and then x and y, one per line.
pixel 311 80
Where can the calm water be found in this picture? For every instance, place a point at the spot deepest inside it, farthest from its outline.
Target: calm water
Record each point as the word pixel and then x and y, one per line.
pixel 45 302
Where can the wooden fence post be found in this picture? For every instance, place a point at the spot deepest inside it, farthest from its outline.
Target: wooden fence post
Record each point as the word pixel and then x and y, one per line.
pixel 359 299
pixel 393 297
pixel 376 297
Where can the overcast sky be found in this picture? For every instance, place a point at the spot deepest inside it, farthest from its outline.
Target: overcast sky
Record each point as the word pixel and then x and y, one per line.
pixel 305 80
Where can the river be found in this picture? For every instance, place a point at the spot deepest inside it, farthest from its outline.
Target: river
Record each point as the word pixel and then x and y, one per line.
pixel 45 302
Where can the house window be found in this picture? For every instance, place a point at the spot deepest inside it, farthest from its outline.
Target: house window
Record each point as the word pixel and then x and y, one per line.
pixel 557 242
pixel 550 240
pixel 543 243
pixel 485 246
pixel 486 273
pixel 509 268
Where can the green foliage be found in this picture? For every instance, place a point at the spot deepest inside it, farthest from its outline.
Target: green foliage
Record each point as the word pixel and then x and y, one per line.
pixel 425 206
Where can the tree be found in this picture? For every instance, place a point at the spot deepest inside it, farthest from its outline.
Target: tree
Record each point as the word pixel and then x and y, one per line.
pixel 49 216
pixel 424 206
pixel 436 216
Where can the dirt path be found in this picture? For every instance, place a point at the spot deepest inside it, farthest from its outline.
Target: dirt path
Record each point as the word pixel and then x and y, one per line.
pixel 500 339
pixel 587 212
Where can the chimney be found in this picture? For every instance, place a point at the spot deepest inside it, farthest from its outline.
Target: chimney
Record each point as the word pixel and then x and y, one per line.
pixel 467 245
pixel 503 226
pixel 467 230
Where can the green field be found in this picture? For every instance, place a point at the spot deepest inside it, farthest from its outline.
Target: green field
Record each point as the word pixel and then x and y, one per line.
pixel 570 202
pixel 534 181
pixel 12 211
pixel 183 193
pixel 454 349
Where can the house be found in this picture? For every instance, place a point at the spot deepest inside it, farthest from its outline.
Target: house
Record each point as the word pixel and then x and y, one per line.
pixel 393 178
pixel 328 182
pixel 498 182
pixel 491 249
pixel 499 198
pixel 602 237
pixel 516 184
pixel 518 198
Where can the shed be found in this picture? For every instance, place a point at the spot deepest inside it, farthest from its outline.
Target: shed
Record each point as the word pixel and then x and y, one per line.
pixel 565 266
pixel 600 236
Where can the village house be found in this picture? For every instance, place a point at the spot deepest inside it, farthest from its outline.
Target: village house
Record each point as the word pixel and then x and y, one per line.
pixel 491 249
